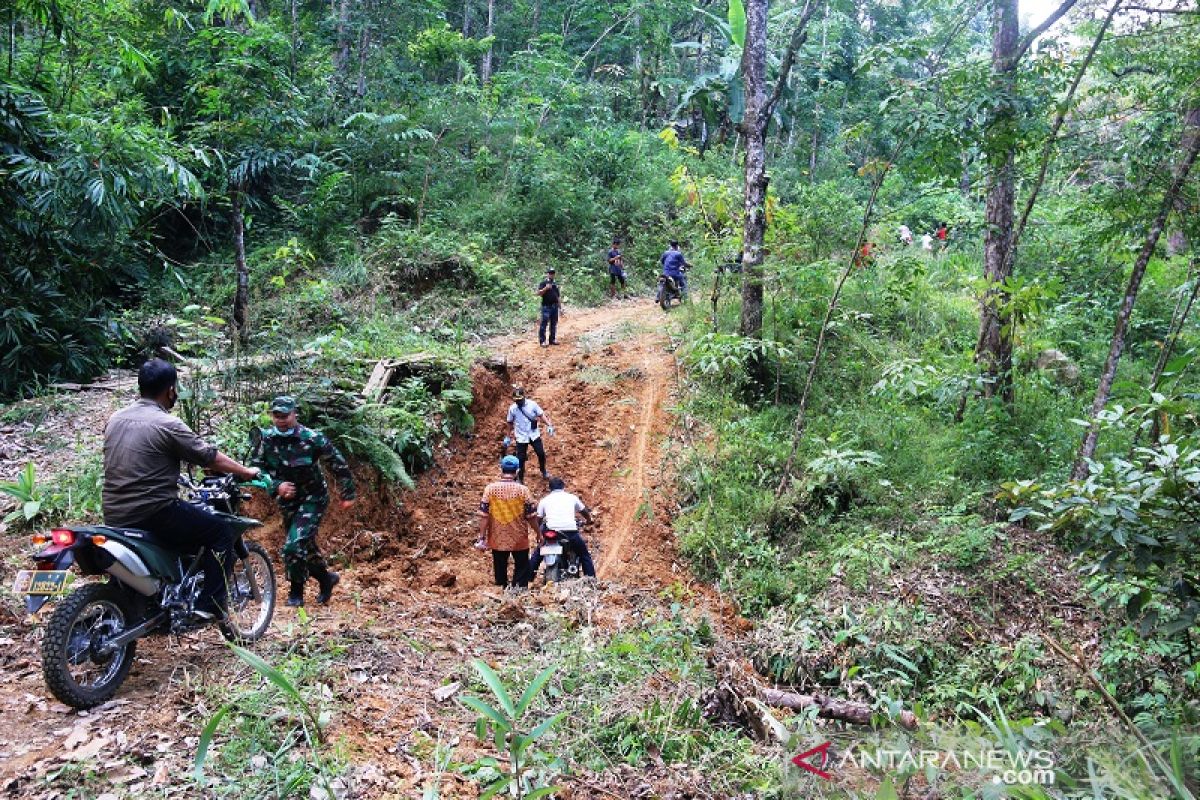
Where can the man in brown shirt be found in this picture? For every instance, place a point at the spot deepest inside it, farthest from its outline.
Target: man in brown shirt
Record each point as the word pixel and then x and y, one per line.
pixel 143 445
pixel 505 520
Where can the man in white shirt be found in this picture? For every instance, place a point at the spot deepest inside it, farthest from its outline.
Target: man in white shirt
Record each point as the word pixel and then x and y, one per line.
pixel 525 417
pixel 557 511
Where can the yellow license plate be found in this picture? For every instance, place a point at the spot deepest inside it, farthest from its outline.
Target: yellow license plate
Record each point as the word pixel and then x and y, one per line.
pixel 41 581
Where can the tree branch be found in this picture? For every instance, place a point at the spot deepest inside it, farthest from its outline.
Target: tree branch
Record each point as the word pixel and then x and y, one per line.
pixel 1032 36
pixel 799 37
pixel 1059 118
pixel 1149 10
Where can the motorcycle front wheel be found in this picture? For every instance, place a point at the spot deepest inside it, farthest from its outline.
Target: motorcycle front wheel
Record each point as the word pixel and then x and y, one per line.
pixel 76 671
pixel 251 597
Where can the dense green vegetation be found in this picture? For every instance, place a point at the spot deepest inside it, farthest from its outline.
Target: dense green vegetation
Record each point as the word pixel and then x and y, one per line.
pixel 882 477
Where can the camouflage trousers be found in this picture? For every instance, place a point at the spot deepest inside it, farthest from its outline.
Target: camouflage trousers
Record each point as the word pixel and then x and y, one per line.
pixel 301 555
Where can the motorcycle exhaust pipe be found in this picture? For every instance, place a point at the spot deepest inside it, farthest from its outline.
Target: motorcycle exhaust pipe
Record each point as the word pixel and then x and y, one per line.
pixel 142 584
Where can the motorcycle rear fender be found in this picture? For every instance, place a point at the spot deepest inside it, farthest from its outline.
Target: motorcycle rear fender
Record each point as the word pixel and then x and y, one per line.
pixel 142 558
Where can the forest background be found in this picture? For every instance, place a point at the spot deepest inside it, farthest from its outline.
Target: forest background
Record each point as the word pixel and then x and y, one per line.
pixel 1006 420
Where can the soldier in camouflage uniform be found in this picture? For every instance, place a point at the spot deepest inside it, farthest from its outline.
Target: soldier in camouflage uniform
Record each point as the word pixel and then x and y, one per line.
pixel 292 455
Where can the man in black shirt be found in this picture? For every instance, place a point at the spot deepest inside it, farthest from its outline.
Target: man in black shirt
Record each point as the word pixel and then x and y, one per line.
pixel 616 269
pixel 548 290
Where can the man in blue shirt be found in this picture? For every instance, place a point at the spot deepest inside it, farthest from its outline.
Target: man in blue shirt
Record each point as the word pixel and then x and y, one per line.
pixel 673 265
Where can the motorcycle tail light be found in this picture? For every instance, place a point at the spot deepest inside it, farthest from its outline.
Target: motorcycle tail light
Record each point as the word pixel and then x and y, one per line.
pixel 62 537
pixel 39 539
pixel 99 539
pixel 551 534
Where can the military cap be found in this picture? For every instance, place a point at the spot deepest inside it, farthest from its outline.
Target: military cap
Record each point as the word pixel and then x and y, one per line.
pixel 284 404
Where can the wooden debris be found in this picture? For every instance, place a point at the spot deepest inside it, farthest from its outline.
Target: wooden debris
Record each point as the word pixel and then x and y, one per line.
pixel 389 371
pixel 494 363
pixel 739 700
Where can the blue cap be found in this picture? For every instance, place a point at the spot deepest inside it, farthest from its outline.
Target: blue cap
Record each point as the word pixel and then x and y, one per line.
pixel 510 464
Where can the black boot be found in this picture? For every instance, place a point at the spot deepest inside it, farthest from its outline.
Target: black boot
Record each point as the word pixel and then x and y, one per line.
pixel 326 580
pixel 296 593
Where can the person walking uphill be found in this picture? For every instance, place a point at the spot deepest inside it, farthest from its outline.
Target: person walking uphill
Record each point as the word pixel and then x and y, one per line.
pixel 505 520
pixel 524 416
pixel 292 454
pixel 551 302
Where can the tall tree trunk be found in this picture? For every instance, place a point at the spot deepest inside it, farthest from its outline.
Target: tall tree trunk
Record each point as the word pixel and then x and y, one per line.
pixel 12 37
pixel 241 297
pixel 295 39
pixel 466 32
pixel 1190 148
pixel 753 129
pixel 994 350
pixel 754 125
pixel 485 67
pixel 364 47
pixel 341 55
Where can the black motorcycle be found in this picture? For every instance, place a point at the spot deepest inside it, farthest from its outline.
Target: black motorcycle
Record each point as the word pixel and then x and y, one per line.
pixel 668 290
pixel 559 557
pixel 152 588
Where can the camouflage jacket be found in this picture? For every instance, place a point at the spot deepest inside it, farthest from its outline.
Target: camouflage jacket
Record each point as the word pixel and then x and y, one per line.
pixel 296 457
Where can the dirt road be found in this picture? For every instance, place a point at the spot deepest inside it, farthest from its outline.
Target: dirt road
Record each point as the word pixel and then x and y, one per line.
pixel 416 602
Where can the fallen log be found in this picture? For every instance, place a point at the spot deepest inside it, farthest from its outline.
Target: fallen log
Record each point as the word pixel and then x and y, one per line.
pixel 829 707
pixel 740 700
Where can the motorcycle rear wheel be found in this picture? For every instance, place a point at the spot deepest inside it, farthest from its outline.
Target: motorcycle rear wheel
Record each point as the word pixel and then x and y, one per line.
pixel 90 614
pixel 251 597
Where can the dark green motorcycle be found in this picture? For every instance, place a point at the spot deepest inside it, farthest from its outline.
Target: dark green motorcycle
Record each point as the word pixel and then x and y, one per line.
pixel 89 642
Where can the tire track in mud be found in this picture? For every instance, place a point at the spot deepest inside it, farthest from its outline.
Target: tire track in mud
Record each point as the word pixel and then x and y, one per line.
pixel 636 505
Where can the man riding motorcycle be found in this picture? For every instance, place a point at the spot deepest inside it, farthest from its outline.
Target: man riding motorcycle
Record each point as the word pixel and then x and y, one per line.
pixel 673 266
pixel 143 445
pixel 557 512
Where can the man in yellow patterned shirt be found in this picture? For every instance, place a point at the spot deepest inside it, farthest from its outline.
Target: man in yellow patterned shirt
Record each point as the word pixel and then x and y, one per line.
pixel 505 520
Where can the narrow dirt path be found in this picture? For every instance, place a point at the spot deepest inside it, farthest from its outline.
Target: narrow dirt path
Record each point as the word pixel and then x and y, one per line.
pixel 410 614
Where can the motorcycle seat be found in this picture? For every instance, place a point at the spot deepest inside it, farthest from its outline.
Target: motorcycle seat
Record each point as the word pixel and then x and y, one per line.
pixel 157 540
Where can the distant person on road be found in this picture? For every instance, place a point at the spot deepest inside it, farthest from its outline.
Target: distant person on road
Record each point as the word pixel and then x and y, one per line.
pixel 942 235
pixel 926 242
pixel 292 454
pixel 673 266
pixel 551 305
pixel 616 269
pixel 557 512
pixel 505 520
pixel 525 416
pixel 906 235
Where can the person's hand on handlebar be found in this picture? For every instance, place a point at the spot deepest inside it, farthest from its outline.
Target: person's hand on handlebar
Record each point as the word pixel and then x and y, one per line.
pixel 286 490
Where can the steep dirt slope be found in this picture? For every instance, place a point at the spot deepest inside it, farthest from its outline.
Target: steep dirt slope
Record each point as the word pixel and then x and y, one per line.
pixel 416 602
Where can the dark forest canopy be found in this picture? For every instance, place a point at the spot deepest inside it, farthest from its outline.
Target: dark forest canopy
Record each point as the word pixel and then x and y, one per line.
pixel 138 135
